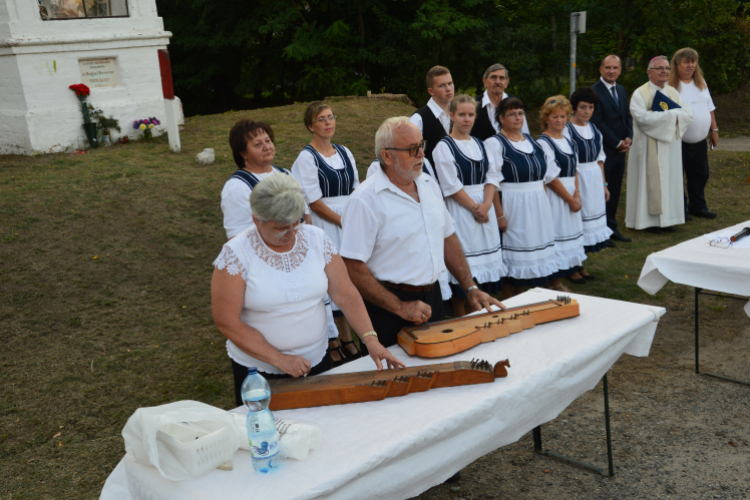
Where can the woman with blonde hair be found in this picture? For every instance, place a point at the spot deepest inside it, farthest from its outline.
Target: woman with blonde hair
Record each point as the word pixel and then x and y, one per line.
pixel 686 76
pixel 563 193
pixel 469 182
pixel 327 174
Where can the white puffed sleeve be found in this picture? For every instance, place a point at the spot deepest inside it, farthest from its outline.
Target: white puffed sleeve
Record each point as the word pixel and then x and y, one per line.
pixel 445 168
pixel 495 150
pixel 235 205
pixel 305 172
pixel 553 168
pixel 416 119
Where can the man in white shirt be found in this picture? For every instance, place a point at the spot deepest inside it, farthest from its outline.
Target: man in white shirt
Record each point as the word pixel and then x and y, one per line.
pixel 654 194
pixel 433 119
pixel 398 237
pixel 495 80
pixel 686 76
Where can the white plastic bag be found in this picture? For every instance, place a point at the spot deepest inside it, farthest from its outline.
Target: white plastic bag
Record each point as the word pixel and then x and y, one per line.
pixel 143 446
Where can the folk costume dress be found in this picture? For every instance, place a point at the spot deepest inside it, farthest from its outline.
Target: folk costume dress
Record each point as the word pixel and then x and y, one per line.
pixel 568 224
pixel 529 241
pixel 235 199
pixel 589 143
pixel 464 165
pixel 330 180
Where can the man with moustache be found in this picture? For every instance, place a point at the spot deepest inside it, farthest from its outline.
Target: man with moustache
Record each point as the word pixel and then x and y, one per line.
pixel 613 119
pixel 398 237
pixel 495 80
pixel 433 119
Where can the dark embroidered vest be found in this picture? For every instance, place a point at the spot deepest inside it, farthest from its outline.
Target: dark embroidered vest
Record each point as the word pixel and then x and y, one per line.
pixel 334 182
pixel 250 179
pixel 519 166
pixel 470 172
pixel 588 149
pixel 567 162
pixel 432 130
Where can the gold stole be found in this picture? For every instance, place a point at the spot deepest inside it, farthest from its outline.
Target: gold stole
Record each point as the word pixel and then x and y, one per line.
pixel 653 176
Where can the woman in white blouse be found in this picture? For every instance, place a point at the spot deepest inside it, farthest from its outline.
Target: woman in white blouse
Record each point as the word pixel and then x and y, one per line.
pixel 327 174
pixel 594 192
pixel 469 182
pixel 269 286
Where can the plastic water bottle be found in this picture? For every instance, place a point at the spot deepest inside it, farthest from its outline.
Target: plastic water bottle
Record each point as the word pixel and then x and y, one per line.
pixel 261 427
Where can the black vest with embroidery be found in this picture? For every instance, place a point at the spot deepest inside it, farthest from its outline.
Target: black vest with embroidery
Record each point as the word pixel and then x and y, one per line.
pixel 567 162
pixel 470 172
pixel 432 130
pixel 333 182
pixel 250 179
pixel 482 128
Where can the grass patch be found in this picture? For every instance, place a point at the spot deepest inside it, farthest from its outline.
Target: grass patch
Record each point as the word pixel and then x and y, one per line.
pixel 105 267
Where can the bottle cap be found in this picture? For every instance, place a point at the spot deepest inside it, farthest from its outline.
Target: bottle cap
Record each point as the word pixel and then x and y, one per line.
pixel 251 370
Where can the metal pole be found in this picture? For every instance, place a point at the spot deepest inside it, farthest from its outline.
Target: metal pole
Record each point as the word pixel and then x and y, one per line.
pixel 573 34
pixel 609 431
pixel 697 355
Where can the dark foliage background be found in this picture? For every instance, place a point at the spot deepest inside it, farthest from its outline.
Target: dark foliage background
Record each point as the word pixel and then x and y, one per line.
pixel 239 54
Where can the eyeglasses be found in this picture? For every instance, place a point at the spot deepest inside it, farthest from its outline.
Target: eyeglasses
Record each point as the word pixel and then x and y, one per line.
pixel 665 68
pixel 721 242
pixel 280 234
pixel 325 119
pixel 514 115
pixel 413 150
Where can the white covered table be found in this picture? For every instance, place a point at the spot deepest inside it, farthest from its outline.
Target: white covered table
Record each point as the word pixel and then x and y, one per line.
pixel 698 264
pixel 398 448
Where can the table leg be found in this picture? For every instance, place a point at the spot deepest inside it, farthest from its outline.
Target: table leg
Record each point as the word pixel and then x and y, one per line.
pixel 698 291
pixel 537 433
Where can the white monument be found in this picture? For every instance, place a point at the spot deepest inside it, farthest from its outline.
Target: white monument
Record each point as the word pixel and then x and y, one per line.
pixel 47 45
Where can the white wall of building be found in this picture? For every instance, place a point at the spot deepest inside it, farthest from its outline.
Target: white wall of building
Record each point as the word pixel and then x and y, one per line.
pixel 39 60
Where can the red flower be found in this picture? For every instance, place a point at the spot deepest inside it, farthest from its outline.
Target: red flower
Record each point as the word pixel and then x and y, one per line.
pixel 80 89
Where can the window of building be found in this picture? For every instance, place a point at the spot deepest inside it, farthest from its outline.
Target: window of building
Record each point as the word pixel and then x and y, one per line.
pixel 81 9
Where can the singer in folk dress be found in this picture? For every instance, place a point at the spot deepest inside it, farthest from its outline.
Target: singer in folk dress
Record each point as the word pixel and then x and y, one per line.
pixel 269 286
pixel 563 193
pixel 327 175
pixel 594 193
pixel 529 239
pixel 253 151
pixel 469 183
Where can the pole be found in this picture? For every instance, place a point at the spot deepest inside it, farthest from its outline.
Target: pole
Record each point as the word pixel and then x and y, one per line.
pixel 573 40
pixel 170 106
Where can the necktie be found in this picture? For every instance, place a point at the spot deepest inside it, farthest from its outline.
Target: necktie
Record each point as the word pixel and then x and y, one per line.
pixel 614 95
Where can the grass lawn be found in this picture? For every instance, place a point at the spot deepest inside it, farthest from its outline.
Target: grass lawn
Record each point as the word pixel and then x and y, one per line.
pixel 105 266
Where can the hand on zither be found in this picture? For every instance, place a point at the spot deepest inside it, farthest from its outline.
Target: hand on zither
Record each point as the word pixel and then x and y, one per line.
pixel 482 300
pixel 296 366
pixel 378 353
pixel 415 311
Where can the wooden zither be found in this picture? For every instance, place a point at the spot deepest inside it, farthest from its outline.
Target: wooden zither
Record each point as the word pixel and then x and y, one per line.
pixel 443 338
pixel 360 387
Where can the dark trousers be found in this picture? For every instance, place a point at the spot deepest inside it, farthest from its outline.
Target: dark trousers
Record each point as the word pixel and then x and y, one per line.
pixel 614 171
pixel 695 167
pixel 387 324
pixel 240 373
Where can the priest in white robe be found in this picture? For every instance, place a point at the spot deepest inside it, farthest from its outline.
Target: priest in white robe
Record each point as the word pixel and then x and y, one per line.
pixel 654 198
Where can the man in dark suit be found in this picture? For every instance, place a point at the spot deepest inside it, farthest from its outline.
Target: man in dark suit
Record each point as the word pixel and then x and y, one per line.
pixel 615 122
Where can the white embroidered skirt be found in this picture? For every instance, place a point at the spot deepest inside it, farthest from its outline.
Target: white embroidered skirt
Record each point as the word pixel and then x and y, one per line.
pixel 568 228
pixel 480 242
pixel 529 241
pixel 594 211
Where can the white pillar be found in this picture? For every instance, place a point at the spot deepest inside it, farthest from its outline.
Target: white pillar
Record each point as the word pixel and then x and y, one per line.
pixel 173 128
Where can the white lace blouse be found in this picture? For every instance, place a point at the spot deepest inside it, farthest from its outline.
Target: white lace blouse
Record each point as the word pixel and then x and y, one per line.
pixel 284 293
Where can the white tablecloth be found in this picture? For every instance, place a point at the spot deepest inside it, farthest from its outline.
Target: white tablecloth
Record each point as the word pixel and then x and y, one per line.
pixel 397 448
pixel 696 263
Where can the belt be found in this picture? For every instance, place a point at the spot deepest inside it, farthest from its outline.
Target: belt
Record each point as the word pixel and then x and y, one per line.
pixel 406 288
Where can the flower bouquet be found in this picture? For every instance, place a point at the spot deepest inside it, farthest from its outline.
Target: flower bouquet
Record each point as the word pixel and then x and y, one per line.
pixel 82 92
pixel 146 125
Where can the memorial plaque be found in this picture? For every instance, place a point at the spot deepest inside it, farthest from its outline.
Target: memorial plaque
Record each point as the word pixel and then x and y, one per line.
pixel 96 73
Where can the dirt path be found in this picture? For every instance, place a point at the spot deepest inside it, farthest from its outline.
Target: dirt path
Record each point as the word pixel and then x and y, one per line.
pixel 741 143
pixel 676 435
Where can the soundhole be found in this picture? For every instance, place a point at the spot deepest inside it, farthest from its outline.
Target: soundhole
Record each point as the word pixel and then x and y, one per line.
pixel 495 316
pixel 447 331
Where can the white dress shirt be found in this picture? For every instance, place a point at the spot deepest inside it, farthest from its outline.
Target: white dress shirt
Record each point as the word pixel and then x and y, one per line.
pixel 399 239
pixel 441 115
pixel 487 104
pixel 703 105
pixel 375 166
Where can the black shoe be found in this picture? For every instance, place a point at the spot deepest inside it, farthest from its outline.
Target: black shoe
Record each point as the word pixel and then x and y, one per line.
pixel 706 214
pixel 670 229
pixel 588 277
pixel 610 244
pixel 653 229
pixel 577 281
pixel 618 237
pixel 454 478
pixel 688 217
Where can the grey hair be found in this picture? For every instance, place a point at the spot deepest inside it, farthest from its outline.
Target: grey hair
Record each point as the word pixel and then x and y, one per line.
pixel 279 199
pixel 384 135
pixel 657 58
pixel 493 68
